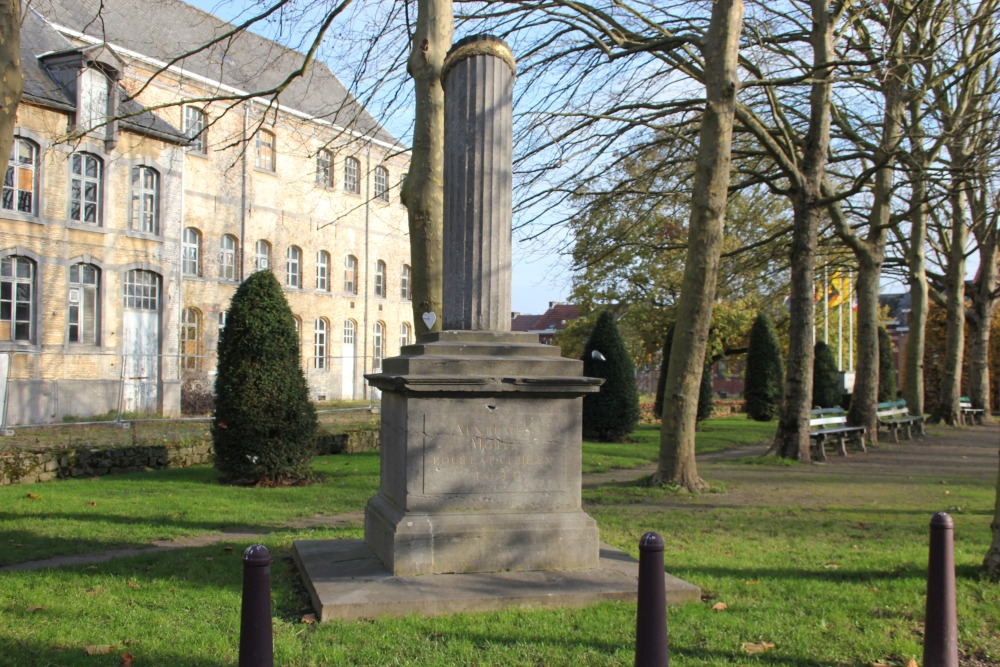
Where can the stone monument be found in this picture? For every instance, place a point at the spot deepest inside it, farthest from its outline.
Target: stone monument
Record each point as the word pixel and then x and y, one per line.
pixel 480 426
pixel 479 503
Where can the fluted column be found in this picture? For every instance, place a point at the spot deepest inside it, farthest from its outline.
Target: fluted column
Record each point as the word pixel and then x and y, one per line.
pixel 478 88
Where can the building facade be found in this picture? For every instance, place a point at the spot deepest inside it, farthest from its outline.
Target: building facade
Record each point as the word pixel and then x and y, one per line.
pixel 142 189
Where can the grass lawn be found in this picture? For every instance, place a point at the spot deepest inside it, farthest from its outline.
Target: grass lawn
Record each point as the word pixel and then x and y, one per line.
pixel 826 565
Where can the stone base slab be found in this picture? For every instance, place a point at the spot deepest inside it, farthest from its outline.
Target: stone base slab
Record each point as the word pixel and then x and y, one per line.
pixel 346 581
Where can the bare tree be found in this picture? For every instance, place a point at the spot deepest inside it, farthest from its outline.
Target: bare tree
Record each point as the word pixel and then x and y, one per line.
pixel 11 74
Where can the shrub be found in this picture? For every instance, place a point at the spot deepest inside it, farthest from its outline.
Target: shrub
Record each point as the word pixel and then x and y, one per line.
pixel 664 367
pixel 765 374
pixel 705 398
pixel 886 367
pixel 826 378
pixel 264 426
pixel 197 397
pixel 612 413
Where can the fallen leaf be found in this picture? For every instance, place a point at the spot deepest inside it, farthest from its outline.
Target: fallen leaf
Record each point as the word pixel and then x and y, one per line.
pixel 752 582
pixel 878 664
pixel 221 425
pixel 831 566
pixel 126 660
pixel 227 549
pixel 753 649
pixel 132 584
pixel 947 493
pixel 308 618
pixel 912 663
pixel 34 496
pixel 99 649
pixel 720 606
pixel 32 610
pixel 209 557
pixel 92 503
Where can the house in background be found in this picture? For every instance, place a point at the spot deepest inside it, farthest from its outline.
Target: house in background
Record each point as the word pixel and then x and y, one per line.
pixel 127 224
pixel 548 324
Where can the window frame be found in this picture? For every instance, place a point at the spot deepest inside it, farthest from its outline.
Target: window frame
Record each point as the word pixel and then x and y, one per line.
pixel 140 197
pixel 293 267
pixel 323 262
pixel 405 334
pixel 321 342
pixel 352 181
pixel 406 283
pixel 190 360
pixel 324 168
pixel 351 274
pixel 265 153
pixel 79 320
pixel 141 294
pixel 381 182
pixel 266 255
pixel 378 346
pixel 380 279
pixel 80 182
pixel 191 252
pixel 229 270
pixel 12 299
pixel 14 167
pixel 198 141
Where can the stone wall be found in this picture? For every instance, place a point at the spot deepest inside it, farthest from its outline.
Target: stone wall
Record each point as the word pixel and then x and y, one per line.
pixel 18 466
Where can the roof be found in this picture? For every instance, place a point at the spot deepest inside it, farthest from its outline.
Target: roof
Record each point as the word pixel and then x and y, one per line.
pixel 166 29
pixel 39 38
pixel 554 319
pixel 524 322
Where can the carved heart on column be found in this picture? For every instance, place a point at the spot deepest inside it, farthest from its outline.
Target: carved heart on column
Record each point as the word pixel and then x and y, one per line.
pixel 429 320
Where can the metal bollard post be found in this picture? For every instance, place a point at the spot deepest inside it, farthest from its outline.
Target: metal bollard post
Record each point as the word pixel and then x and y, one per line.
pixel 651 648
pixel 941 620
pixel 256 644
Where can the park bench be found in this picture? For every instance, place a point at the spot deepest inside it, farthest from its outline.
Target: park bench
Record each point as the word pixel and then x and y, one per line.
pixel 894 415
pixel 969 413
pixel 831 424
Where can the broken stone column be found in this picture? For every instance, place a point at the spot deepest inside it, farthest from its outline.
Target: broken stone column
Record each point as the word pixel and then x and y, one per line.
pixel 479 97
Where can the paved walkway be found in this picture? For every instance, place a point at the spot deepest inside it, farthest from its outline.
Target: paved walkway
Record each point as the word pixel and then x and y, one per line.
pixel 969 452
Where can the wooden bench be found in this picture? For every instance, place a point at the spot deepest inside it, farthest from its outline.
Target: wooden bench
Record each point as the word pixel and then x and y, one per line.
pixel 831 424
pixel 969 413
pixel 894 415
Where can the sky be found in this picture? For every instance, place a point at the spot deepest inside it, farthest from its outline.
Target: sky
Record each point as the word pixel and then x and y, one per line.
pixel 540 274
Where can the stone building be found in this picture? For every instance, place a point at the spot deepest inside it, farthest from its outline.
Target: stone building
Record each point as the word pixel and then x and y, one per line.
pixel 134 204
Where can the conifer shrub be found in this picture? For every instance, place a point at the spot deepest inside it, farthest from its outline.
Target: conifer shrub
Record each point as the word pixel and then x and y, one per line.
pixel 826 378
pixel 886 367
pixel 264 427
pixel 664 367
pixel 705 399
pixel 612 413
pixel 765 375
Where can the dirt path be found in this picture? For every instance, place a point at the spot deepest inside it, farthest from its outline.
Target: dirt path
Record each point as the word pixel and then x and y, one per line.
pixel 947 452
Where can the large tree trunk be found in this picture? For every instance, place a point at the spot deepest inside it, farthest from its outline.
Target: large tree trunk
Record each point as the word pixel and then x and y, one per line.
pixel 11 75
pixel 708 213
pixel 916 259
pixel 985 293
pixel 792 439
pixel 423 191
pixel 951 384
pixel 865 394
pixel 992 561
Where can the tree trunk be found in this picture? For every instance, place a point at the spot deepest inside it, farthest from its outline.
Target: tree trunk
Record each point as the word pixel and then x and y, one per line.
pixel 423 190
pixel 705 235
pixel 951 384
pixel 11 75
pixel 913 373
pixel 985 293
pixel 792 439
pixel 991 564
pixel 865 395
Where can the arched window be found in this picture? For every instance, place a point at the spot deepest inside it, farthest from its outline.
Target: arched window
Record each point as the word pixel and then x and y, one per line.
pixel 349 330
pixel 228 252
pixel 351 274
pixel 86 188
pixel 17 298
pixel 378 345
pixel 196 129
pixel 380 278
pixel 323 271
pixel 20 181
pixel 293 267
pixel 191 252
pixel 352 176
pixel 266 148
pixel 190 334
pixel 404 282
pixel 324 169
pixel 83 302
pixel 404 334
pixel 262 256
pixel 320 339
pixel 145 211
pixel 381 184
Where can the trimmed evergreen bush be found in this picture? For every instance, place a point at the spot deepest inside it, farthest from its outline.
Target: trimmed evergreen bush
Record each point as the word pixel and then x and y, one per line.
pixel 705 399
pixel 664 367
pixel 613 412
pixel 765 375
pixel 265 426
pixel 826 378
pixel 886 367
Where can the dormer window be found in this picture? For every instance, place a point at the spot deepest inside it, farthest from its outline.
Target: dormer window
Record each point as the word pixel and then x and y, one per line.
pixel 94 99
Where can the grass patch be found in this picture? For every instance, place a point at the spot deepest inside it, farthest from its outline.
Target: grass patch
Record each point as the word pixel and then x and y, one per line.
pixel 643 446
pixel 772 461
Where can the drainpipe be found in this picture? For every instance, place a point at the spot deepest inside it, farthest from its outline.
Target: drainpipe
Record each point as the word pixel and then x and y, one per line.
pixel 243 191
pixel 368 172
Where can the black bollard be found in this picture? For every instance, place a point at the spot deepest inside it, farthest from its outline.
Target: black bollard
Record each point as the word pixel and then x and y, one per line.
pixel 941 620
pixel 256 645
pixel 651 612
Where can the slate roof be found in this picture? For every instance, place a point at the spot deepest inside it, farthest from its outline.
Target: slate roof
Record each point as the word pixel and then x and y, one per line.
pixel 165 29
pixel 38 37
pixel 554 319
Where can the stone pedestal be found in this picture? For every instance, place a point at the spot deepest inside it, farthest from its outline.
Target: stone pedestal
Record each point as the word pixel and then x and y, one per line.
pixel 481 458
